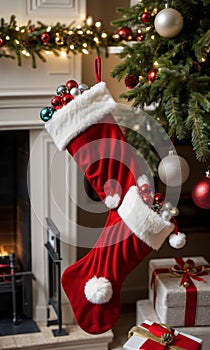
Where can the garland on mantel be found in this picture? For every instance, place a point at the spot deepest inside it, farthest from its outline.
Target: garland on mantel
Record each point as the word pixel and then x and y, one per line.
pixel 60 39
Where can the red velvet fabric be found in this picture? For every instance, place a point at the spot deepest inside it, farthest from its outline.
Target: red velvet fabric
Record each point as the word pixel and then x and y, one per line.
pixel 108 163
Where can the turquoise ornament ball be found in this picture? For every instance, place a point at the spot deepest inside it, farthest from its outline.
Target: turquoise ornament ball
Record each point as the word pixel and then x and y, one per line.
pixel 46 113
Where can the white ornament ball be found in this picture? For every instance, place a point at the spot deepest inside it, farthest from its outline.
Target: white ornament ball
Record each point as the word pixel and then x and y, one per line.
pixel 168 23
pixel 173 170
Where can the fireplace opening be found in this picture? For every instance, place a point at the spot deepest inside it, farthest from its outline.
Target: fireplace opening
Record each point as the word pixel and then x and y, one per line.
pixel 14 224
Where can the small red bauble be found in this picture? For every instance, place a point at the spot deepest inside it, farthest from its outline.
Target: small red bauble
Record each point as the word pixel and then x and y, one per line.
pixel 159 198
pixel 145 188
pixel 125 33
pixel 66 98
pixel 56 102
pixel 45 38
pixel 71 83
pixel 201 193
pixel 131 81
pixel 1 42
pixel 146 17
pixel 147 199
pixel 152 75
pixel 140 37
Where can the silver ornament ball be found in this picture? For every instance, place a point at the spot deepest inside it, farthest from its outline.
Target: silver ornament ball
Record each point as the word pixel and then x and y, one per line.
pixel 173 170
pixel 168 23
pixel 165 214
pixel 75 92
pixel 83 87
pixel 61 89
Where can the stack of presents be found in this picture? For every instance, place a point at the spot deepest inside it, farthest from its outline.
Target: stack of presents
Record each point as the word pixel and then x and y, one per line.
pixel 176 315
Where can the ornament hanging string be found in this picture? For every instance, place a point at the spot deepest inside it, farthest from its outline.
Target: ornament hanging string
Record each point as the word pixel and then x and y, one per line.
pixel 97 68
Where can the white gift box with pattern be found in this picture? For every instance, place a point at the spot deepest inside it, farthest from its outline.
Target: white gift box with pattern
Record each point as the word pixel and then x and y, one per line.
pixel 170 299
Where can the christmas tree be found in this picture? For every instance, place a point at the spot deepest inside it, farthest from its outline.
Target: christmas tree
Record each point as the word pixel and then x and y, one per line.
pixel 165 62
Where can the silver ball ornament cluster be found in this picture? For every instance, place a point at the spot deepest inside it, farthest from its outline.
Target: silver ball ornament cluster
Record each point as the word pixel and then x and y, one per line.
pixel 64 95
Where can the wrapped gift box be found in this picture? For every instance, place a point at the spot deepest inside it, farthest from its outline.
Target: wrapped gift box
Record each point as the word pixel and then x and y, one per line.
pixel 145 310
pixel 180 305
pixel 150 335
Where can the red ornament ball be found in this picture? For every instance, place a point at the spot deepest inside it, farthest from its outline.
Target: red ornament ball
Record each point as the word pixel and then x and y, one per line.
pixel 148 200
pixel 140 37
pixel 1 42
pixel 159 198
pixel 145 188
pixel 131 81
pixel 125 33
pixel 152 75
pixel 71 83
pixel 66 98
pixel 45 38
pixel 56 102
pixel 201 193
pixel 146 17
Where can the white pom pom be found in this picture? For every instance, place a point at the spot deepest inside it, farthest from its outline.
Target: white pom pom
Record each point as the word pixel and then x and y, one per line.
pixel 143 179
pixel 98 290
pixel 112 201
pixel 177 241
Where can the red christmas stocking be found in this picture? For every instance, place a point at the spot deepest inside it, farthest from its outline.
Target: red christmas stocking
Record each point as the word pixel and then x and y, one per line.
pixel 87 129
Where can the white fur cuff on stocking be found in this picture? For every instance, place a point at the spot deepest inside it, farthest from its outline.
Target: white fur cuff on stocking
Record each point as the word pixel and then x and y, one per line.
pixel 143 221
pixel 87 109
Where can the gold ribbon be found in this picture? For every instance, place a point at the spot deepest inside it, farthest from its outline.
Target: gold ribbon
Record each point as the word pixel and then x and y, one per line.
pixel 166 339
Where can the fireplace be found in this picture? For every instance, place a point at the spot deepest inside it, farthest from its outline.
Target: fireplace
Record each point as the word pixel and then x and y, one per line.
pixel 15 237
pixel 14 199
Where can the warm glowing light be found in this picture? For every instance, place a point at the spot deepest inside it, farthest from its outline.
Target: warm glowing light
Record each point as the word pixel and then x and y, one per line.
pixel 80 32
pixel 104 35
pixel 71 47
pixel 17 41
pixel 26 53
pixel 23 30
pixel 96 40
pixel 17 28
pixel 7 37
pixel 49 29
pixel 70 32
pixel 89 21
pixel 115 36
pixel 85 51
pixel 63 54
pixel 155 64
pixel 84 45
pixel 3 252
pixel 153 37
pixel 148 29
pixel 98 24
